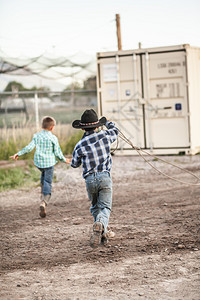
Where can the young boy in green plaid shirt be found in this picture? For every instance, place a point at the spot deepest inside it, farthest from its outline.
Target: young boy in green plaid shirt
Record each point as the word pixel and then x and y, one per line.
pixel 47 150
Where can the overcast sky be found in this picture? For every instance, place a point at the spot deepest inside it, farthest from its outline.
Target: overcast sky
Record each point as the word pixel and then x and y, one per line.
pixel 32 26
pixel 62 27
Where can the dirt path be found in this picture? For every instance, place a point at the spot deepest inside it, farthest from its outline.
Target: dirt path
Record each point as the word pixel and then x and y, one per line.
pixel 154 255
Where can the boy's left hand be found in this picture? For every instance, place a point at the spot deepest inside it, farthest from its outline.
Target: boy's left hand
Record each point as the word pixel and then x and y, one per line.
pixel 15 156
pixel 68 161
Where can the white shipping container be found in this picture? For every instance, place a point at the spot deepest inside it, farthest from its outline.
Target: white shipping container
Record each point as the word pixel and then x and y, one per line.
pixel 153 96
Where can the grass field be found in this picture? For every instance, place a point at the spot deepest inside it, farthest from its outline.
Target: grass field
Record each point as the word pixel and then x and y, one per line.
pixel 17 130
pixel 14 139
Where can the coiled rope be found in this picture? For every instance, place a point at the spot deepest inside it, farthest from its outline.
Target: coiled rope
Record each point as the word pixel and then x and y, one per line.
pixel 141 151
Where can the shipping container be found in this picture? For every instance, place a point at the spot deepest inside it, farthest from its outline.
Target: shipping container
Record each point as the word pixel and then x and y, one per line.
pixel 153 96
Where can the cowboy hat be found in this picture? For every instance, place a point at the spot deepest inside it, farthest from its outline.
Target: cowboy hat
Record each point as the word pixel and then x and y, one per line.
pixel 89 119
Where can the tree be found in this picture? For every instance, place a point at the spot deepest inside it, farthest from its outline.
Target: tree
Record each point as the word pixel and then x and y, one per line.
pixel 90 83
pixel 73 86
pixel 14 86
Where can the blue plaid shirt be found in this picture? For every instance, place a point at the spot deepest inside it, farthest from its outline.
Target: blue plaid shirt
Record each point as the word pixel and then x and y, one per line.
pixel 93 150
pixel 47 149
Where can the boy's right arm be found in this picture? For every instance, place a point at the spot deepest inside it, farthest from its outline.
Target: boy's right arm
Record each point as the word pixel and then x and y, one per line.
pixel 28 148
pixel 112 131
pixel 25 150
pixel 15 156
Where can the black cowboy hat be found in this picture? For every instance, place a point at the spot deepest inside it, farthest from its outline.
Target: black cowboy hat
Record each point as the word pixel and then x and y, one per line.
pixel 89 119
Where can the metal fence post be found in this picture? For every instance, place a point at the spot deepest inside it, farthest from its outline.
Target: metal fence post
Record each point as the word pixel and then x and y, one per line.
pixel 36 112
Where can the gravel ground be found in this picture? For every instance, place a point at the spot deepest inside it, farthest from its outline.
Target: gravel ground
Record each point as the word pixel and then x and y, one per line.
pixel 155 253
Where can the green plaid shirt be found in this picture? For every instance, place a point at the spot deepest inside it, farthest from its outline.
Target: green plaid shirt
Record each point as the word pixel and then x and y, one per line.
pixel 47 149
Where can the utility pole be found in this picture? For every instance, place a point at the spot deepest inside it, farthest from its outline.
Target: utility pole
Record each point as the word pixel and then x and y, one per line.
pixel 118 32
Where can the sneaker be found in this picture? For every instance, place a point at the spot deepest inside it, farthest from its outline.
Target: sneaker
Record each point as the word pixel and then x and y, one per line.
pixel 95 238
pixel 43 209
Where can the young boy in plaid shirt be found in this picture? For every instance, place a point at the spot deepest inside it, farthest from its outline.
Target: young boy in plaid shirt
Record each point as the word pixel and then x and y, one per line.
pixel 93 151
pixel 47 150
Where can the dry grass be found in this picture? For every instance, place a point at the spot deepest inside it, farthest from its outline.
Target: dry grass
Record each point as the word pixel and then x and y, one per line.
pixel 14 139
pixel 27 131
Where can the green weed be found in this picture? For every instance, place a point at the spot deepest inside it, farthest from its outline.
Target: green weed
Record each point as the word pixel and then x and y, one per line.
pixel 18 177
pixel 69 145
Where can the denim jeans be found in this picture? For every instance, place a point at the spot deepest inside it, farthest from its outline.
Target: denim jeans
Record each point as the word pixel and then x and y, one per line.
pixel 99 189
pixel 46 179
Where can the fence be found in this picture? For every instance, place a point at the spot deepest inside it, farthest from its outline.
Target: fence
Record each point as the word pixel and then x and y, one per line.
pixel 28 107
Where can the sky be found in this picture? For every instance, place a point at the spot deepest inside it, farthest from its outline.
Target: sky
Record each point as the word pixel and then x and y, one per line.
pixel 62 27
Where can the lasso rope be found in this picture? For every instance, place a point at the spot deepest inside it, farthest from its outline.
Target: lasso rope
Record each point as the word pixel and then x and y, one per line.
pixel 139 150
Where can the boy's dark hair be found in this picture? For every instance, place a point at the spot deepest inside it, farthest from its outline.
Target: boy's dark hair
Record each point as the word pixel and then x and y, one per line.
pixel 90 129
pixel 48 122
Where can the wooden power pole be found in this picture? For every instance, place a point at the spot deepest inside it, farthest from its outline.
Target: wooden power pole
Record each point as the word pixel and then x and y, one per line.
pixel 119 41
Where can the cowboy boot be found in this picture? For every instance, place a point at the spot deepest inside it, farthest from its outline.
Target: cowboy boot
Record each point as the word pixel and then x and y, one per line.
pixel 95 239
pixel 44 201
pixel 42 207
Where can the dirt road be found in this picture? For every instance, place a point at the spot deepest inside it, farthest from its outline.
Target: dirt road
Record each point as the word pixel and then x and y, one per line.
pixel 154 255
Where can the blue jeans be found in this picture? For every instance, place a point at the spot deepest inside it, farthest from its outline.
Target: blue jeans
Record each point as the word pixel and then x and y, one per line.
pixel 99 189
pixel 46 180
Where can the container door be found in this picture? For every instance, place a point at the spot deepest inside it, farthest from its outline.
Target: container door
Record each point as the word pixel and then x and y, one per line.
pixel 166 103
pixel 120 96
